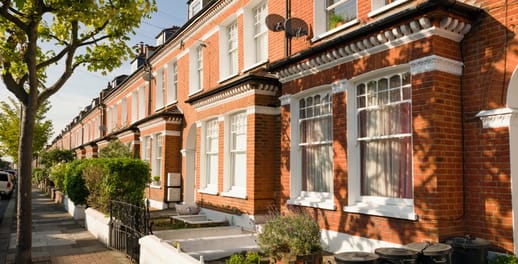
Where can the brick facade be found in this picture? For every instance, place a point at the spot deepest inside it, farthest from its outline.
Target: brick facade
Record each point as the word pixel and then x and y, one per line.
pixel 460 58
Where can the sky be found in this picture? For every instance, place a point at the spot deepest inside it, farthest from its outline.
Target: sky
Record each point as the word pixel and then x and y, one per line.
pixel 84 86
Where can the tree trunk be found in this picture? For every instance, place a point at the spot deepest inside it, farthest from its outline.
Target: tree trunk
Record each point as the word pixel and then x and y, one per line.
pixel 24 218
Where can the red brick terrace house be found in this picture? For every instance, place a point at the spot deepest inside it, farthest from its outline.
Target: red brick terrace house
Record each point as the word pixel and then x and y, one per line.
pixel 200 109
pixel 398 124
pixel 389 121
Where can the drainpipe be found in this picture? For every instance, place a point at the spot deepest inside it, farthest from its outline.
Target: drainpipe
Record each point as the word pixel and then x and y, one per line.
pixel 287 40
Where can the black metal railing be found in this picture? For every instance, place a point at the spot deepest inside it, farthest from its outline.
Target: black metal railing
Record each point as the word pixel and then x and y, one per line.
pixel 128 223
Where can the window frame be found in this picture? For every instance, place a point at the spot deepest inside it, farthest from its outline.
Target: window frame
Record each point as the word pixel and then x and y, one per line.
pixel 384 8
pixel 206 183
pixel 323 200
pixel 196 69
pixel 160 89
pixel 157 149
pixel 402 208
pixel 228 56
pixel 321 21
pixel 146 149
pixel 251 37
pixel 230 189
pixel 172 82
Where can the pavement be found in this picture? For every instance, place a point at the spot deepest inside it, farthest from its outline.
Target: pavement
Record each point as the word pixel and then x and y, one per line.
pixel 56 236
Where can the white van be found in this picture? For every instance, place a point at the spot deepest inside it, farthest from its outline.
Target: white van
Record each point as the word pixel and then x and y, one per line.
pixel 6 185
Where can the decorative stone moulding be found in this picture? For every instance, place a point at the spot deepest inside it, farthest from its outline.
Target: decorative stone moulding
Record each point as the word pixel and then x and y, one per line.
pixel 436 63
pixel 496 118
pixel 450 28
pixel 234 93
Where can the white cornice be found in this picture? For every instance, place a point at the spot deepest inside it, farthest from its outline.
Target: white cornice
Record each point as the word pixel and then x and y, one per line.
pixel 495 118
pixel 421 28
pixel 436 63
pixel 234 94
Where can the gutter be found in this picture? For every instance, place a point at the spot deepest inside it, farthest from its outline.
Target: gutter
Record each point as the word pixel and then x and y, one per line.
pixel 450 5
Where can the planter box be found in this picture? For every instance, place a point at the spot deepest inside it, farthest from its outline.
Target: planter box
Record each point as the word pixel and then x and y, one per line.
pixel 58 197
pixel 98 224
pixel 155 250
pixel 77 211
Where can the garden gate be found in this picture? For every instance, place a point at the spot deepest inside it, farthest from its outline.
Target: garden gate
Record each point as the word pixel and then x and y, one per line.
pixel 128 223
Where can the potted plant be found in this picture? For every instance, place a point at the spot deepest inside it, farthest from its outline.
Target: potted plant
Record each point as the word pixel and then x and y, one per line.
pixel 336 20
pixel 156 180
pixel 288 237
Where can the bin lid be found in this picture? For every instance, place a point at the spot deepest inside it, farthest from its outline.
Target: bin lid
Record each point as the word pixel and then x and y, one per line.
pixel 396 252
pixel 467 242
pixel 356 256
pixel 430 249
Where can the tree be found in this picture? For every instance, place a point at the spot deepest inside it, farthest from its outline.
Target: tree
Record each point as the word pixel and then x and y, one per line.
pixel 36 35
pixel 10 128
pixel 115 149
pixel 54 156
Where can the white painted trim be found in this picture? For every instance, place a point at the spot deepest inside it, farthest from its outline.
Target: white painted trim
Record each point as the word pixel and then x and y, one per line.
pixel 339 86
pixel 386 7
pixel 234 94
pixel 436 63
pixel 341 242
pixel 495 118
pixel 151 124
pixel 512 103
pixel 418 29
pixel 157 204
pixel 263 110
pixel 327 204
pixel 253 66
pixel 173 133
pixel 285 99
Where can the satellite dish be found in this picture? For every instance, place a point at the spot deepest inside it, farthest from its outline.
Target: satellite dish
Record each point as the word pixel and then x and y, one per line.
pixel 274 22
pixel 296 27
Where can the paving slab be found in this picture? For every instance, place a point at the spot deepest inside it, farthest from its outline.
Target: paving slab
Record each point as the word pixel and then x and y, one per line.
pixel 56 237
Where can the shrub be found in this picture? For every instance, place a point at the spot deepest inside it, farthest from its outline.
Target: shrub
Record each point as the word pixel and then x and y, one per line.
pixel 97 181
pixel 115 149
pixel 37 175
pixel 76 189
pixel 126 179
pixel 504 259
pixel 57 175
pixel 290 235
pixel 249 258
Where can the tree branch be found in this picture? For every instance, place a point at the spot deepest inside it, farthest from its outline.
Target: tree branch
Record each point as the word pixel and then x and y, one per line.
pixel 12 85
pixel 4 11
pixel 69 67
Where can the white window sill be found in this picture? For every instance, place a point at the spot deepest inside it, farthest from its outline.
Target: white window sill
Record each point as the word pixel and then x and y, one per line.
pixel 153 186
pixel 394 211
pixel 386 7
pixel 194 92
pixel 253 66
pixel 228 78
pixel 159 108
pixel 172 102
pixel 234 194
pixel 334 30
pixel 327 204
pixel 208 191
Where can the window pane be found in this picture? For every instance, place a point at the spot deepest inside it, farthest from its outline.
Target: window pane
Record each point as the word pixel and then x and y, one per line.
pixel 340 12
pixel 385 140
pixel 316 143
